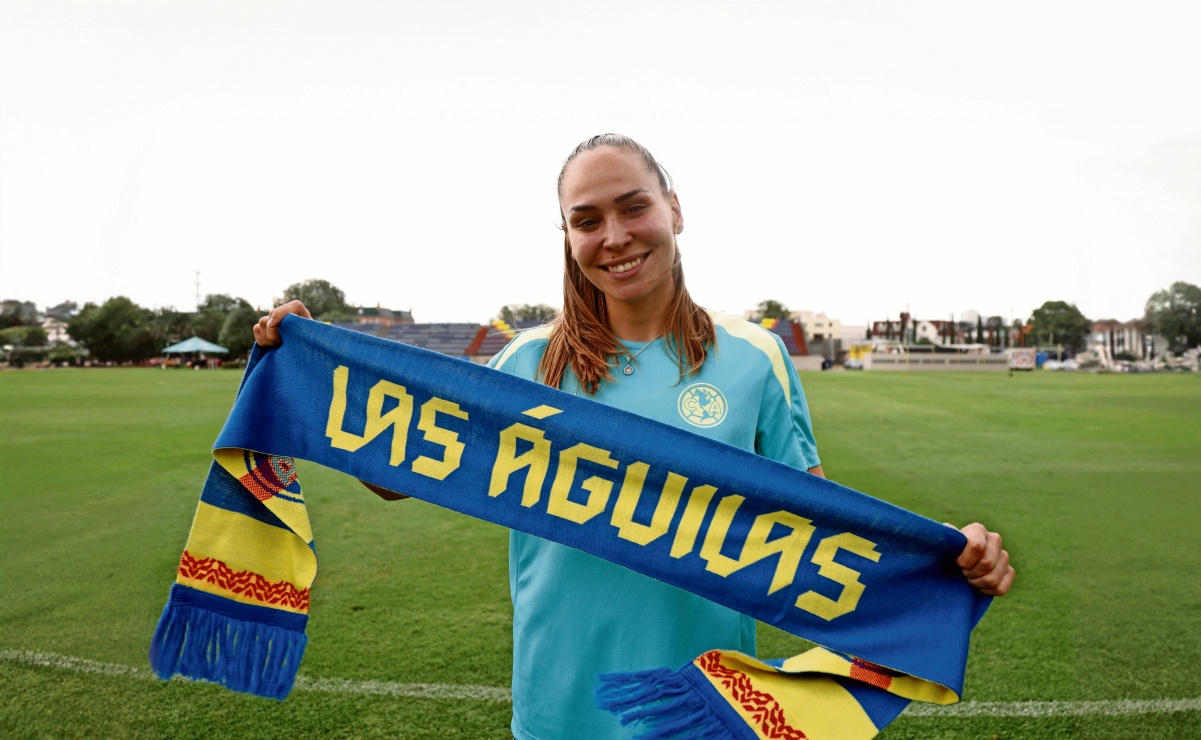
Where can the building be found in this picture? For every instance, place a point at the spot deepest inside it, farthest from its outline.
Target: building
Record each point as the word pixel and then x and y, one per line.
pixel 384 316
pixel 818 327
pixel 920 331
pixel 56 332
pixel 1120 338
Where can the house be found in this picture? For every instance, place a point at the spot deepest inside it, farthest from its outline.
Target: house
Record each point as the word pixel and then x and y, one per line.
pixel 1119 338
pixel 384 316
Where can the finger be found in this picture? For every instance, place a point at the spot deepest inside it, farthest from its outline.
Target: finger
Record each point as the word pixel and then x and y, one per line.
pixel 977 543
pixel 989 567
pixel 264 335
pixel 994 557
pixel 997 584
pixel 294 307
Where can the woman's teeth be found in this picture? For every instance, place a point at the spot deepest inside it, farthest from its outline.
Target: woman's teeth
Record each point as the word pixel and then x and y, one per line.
pixel 623 267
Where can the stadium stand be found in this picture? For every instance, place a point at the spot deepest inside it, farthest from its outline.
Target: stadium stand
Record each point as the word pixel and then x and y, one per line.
pixel 791 332
pixel 477 342
pixel 498 334
pixel 455 340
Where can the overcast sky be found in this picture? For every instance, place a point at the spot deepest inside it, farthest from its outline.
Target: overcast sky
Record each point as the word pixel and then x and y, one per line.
pixel 848 157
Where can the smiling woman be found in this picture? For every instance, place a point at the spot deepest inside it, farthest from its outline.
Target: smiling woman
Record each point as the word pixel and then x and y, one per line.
pixel 576 616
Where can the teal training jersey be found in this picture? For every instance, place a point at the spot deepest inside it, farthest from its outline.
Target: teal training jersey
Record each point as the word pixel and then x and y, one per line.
pixel 576 616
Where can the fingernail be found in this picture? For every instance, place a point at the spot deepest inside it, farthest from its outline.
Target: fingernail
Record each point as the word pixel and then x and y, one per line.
pixel 270 321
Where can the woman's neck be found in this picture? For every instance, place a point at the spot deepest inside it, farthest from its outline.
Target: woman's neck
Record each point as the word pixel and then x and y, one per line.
pixel 635 322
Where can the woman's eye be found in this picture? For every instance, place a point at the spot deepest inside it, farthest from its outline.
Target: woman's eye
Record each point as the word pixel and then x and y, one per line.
pixel 635 207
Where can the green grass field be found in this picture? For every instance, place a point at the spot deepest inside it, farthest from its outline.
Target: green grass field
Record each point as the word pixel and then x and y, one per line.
pixel 1093 480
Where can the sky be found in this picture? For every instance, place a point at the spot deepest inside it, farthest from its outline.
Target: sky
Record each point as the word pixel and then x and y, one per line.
pixel 853 158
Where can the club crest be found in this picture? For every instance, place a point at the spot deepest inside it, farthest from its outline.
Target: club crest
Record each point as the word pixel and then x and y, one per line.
pixel 703 405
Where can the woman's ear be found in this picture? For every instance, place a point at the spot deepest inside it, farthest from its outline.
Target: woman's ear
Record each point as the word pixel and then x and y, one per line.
pixel 677 214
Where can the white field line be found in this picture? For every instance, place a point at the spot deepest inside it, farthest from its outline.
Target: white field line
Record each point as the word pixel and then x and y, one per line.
pixel 303 683
pixel 1115 707
pixel 1112 708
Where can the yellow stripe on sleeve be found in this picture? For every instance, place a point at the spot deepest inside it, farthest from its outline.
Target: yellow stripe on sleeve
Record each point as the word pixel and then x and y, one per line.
pixel 539 332
pixel 762 340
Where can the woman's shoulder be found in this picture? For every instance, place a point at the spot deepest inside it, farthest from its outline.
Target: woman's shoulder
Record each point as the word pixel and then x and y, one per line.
pixel 751 333
pixel 527 345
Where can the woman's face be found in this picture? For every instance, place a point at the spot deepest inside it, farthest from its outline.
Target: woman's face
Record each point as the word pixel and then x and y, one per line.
pixel 622 227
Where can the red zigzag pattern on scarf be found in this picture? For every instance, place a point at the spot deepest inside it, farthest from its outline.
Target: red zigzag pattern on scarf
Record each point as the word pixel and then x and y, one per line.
pixel 762 706
pixel 243 582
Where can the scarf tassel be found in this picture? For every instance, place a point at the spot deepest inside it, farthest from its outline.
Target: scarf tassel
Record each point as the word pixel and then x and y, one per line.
pixel 662 699
pixel 247 656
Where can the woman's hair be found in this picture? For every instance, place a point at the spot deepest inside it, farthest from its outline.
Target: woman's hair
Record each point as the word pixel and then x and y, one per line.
pixel 580 335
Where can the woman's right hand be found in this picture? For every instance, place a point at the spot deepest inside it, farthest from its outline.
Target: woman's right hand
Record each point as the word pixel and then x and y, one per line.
pixel 266 331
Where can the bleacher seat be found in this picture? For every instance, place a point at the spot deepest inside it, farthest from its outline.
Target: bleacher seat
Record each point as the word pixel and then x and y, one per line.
pixel 447 339
pixel 497 338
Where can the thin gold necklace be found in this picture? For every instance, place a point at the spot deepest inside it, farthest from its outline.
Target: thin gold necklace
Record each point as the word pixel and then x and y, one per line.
pixel 629 369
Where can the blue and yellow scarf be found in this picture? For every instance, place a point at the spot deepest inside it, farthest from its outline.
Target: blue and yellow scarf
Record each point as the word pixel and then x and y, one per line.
pixel 875 585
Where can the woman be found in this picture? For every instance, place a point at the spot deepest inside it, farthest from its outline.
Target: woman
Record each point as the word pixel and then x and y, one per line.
pixel 630 336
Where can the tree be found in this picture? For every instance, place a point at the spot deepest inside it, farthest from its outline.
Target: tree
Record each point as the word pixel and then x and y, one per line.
pixel 1057 322
pixel 515 312
pixel 211 315
pixel 14 335
pixel 324 301
pixel 24 336
pixel 117 331
pixel 995 324
pixel 1175 315
pixel 222 302
pixel 770 309
pixel 979 330
pixel 35 336
pixel 18 313
pixel 237 335
pixel 168 326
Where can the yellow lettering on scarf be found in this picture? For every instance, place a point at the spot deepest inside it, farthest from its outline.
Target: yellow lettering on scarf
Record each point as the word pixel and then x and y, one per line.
pixel 536 459
pixel 789 547
pixel 690 521
pixel 428 424
pixel 627 501
pixel 377 421
pixel 598 488
pixel 852 589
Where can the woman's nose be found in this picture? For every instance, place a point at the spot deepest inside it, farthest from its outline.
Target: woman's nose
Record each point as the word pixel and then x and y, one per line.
pixel 616 234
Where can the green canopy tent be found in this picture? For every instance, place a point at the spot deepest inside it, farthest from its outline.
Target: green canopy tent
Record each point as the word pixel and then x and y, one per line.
pixel 196 344
pixel 197 348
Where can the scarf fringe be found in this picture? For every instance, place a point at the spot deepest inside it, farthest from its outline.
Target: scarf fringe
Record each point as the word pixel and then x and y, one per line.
pixel 246 656
pixel 662 699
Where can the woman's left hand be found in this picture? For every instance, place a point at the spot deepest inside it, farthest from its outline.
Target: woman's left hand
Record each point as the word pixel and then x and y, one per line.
pixel 985 565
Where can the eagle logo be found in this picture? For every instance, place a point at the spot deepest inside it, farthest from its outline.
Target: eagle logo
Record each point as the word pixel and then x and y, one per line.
pixel 703 405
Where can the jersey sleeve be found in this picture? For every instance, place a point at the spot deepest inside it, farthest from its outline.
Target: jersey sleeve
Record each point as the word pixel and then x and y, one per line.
pixel 785 432
pixel 522 354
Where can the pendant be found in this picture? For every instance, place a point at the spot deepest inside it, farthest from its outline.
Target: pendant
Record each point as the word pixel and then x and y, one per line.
pixel 629 370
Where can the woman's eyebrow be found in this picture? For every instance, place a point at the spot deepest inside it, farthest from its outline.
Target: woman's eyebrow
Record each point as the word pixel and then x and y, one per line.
pixel 618 199
pixel 627 196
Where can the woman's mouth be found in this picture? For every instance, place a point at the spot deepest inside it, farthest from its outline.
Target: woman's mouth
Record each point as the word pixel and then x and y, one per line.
pixel 625 266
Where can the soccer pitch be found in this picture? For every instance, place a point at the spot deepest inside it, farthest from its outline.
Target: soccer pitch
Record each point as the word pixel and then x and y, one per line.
pixel 1093 480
